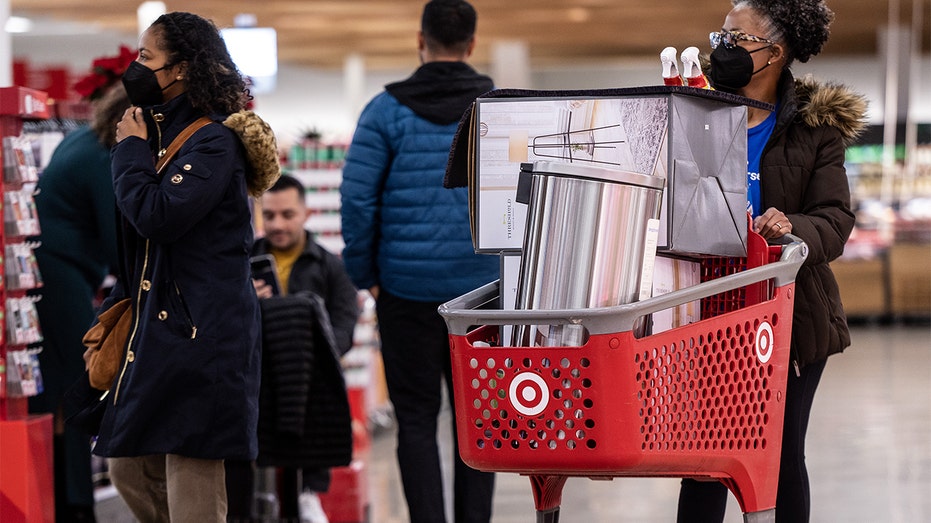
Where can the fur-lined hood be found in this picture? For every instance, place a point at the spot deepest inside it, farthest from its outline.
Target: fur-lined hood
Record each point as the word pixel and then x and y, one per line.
pixel 261 150
pixel 831 104
pixel 822 103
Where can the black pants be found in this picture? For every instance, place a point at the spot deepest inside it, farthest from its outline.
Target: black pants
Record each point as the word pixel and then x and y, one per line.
pixel 415 350
pixel 294 481
pixel 705 501
pixel 240 488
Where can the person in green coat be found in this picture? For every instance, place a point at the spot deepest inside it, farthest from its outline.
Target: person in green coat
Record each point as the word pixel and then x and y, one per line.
pixel 77 218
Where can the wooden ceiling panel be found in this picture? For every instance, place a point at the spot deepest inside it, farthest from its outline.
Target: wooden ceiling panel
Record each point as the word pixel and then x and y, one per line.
pixel 322 33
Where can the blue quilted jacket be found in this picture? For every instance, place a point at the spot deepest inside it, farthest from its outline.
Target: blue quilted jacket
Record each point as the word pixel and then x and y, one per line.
pixel 403 230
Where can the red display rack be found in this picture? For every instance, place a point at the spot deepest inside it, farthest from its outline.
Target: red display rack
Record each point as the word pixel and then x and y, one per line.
pixel 347 500
pixel 26 483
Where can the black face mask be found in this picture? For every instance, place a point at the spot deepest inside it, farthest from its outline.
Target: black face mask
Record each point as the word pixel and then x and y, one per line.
pixel 142 85
pixel 732 67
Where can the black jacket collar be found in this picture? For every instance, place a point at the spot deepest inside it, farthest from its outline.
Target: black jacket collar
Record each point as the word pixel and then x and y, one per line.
pixel 441 91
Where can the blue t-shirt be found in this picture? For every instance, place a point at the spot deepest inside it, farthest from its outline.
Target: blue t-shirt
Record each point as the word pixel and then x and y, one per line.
pixel 756 141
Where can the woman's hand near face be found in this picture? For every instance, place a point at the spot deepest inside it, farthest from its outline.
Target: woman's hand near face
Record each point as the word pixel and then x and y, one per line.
pixel 772 224
pixel 132 124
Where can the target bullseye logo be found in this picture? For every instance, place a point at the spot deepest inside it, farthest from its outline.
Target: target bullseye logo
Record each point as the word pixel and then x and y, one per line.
pixel 528 394
pixel 764 342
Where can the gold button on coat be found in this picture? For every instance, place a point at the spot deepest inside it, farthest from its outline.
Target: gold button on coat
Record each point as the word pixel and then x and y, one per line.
pixel 146 285
pixel 163 315
pixel 130 356
pixel 176 179
pixel 187 167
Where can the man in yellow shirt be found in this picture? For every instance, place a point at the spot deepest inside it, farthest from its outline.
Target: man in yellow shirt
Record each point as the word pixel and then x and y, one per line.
pixel 301 265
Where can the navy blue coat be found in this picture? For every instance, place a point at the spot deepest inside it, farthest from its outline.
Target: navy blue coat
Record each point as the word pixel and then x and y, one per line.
pixel 189 382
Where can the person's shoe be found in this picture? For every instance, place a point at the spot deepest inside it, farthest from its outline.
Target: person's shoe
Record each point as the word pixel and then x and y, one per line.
pixel 311 510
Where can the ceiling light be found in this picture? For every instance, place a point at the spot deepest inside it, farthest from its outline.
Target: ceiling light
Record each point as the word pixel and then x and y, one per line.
pixel 579 14
pixel 148 12
pixel 18 24
pixel 254 50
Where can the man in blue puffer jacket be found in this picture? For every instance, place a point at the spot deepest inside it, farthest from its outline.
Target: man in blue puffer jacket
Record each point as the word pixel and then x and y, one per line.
pixel 408 242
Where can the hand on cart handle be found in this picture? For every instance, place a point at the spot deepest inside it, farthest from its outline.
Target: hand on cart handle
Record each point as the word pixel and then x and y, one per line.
pixel 772 224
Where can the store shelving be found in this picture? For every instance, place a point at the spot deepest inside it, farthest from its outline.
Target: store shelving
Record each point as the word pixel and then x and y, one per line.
pixel 25 440
pixel 883 274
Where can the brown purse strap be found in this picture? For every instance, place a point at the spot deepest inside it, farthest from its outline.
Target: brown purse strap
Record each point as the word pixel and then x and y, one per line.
pixel 179 141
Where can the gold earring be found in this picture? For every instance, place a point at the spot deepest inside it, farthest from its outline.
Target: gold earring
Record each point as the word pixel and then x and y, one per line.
pixel 180 77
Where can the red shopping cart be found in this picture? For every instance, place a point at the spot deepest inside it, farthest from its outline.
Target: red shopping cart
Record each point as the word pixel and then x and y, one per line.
pixel 703 400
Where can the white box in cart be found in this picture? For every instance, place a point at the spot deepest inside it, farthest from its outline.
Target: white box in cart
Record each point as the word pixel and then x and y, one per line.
pixel 694 138
pixel 510 275
pixel 672 274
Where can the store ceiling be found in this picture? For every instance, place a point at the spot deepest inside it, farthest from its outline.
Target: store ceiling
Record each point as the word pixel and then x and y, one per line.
pixel 322 33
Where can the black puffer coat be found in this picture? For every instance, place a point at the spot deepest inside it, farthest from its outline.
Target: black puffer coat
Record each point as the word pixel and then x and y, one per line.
pixel 304 418
pixel 318 271
pixel 802 174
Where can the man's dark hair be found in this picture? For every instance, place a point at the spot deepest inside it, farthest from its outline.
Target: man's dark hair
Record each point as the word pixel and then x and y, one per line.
pixel 448 24
pixel 286 182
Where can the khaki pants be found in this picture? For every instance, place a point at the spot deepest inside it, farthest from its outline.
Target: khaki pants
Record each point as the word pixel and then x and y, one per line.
pixel 170 488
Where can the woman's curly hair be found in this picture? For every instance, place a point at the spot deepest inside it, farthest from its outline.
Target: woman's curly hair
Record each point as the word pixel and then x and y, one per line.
pixel 802 25
pixel 214 84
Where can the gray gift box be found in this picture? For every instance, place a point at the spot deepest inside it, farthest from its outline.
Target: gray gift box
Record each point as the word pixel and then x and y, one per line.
pixel 695 138
pixel 706 195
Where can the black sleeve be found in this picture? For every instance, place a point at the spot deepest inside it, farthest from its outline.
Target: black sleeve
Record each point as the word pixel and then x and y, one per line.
pixel 342 304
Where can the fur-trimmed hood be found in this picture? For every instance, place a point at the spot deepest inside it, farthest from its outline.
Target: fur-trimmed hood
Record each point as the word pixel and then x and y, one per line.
pixel 261 150
pixel 831 104
pixel 822 103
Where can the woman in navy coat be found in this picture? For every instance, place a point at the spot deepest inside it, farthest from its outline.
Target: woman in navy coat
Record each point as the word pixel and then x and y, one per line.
pixel 186 394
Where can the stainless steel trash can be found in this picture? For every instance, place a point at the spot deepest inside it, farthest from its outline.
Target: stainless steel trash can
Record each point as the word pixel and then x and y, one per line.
pixel 588 230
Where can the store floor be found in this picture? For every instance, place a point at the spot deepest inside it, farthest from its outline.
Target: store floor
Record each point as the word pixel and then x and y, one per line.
pixel 869 451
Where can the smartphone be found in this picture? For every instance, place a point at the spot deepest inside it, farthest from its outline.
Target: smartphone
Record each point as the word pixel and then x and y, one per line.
pixel 263 268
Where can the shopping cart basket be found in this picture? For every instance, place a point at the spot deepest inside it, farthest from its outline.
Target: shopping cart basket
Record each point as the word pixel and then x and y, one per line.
pixel 705 400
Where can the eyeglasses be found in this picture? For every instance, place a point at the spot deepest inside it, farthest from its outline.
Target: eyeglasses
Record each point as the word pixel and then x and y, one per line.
pixel 730 39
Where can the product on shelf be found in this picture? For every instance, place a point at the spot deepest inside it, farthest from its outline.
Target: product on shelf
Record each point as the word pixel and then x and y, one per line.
pixel 23 154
